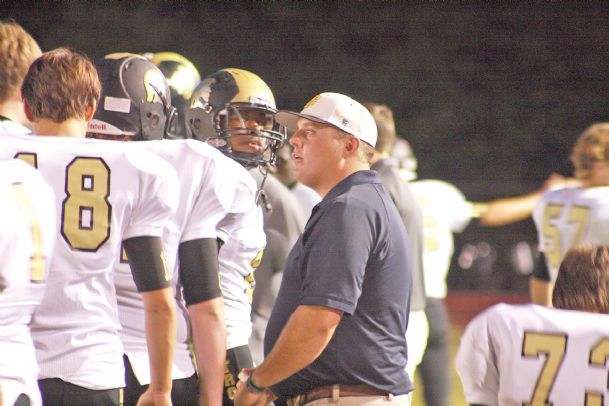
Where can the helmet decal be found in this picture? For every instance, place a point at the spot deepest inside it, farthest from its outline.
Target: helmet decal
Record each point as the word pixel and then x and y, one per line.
pixel 154 83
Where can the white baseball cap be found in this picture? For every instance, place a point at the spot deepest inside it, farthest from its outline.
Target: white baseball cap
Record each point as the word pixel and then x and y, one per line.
pixel 338 110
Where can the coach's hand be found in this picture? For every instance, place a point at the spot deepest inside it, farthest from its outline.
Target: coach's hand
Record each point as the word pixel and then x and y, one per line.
pixel 245 397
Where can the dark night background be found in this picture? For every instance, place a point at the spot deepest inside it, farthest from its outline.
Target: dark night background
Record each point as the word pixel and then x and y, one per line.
pixel 490 95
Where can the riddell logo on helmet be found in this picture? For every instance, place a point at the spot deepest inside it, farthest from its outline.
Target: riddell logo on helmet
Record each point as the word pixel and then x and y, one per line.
pixel 97 126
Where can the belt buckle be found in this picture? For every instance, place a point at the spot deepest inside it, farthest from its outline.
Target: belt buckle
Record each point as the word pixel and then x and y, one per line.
pixel 296 400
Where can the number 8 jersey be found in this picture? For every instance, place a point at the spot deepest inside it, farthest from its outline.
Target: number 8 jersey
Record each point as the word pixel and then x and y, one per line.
pixel 516 355
pixel 105 192
pixel 566 217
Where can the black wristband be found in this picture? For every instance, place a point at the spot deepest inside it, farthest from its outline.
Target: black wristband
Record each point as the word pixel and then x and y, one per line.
pixel 252 387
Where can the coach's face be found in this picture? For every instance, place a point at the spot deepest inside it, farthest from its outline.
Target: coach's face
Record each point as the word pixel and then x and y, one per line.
pixel 317 154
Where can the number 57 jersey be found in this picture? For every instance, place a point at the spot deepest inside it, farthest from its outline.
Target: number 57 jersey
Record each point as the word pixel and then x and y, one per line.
pixel 105 192
pixel 516 355
pixel 566 217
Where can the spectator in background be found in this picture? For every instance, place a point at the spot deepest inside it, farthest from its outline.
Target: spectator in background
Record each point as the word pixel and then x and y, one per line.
pixel 17 51
pixel 412 217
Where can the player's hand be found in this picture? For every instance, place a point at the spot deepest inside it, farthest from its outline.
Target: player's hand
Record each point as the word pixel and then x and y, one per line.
pixel 150 398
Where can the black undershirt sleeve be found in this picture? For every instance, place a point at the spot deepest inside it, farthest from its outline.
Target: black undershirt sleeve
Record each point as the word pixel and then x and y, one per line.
pixel 147 263
pixel 541 270
pixel 220 243
pixel 199 270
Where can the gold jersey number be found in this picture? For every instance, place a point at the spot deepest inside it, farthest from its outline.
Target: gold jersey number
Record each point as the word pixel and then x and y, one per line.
pixel 554 348
pixel 577 216
pixel 86 210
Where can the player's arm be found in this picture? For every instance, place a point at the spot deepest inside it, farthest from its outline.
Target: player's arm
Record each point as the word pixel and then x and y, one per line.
pixel 508 210
pixel 203 296
pixel 152 280
pixel 540 285
pixel 304 337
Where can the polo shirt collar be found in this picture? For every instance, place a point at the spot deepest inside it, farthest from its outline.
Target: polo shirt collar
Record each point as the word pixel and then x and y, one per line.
pixel 357 178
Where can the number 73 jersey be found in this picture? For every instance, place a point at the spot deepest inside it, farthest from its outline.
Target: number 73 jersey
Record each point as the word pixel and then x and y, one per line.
pixel 532 355
pixel 566 217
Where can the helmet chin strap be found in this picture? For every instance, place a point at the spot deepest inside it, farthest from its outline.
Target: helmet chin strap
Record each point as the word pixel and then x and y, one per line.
pixel 261 197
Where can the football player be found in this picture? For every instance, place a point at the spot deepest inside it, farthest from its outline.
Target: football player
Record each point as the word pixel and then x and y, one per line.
pixel 104 195
pixel 212 187
pixel 17 51
pixel 535 355
pixel 234 110
pixel 183 78
pixel 27 235
pixel 447 211
pixel 566 217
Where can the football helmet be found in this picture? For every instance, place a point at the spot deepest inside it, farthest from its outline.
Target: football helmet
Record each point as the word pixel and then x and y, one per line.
pixel 234 110
pixel 183 77
pixel 135 102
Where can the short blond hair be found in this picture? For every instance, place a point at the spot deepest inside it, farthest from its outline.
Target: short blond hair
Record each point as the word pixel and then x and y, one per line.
pixel 61 84
pixel 17 51
pixel 385 126
pixel 365 152
pixel 592 146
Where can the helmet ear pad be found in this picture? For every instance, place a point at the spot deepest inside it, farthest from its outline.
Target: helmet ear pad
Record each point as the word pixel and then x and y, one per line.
pixel 153 121
pixel 198 124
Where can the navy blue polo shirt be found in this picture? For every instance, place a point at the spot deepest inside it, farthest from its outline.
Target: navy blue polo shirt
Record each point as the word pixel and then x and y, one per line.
pixel 353 257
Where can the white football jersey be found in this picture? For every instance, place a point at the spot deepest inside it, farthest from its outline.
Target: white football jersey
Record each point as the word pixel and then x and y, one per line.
pixel 516 355
pixel 27 235
pixel 209 182
pixel 238 259
pixel 566 217
pixel 11 127
pixel 104 193
pixel 445 211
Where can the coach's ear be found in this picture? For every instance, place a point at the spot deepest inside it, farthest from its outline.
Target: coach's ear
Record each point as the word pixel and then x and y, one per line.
pixel 28 111
pixel 351 145
pixel 90 110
